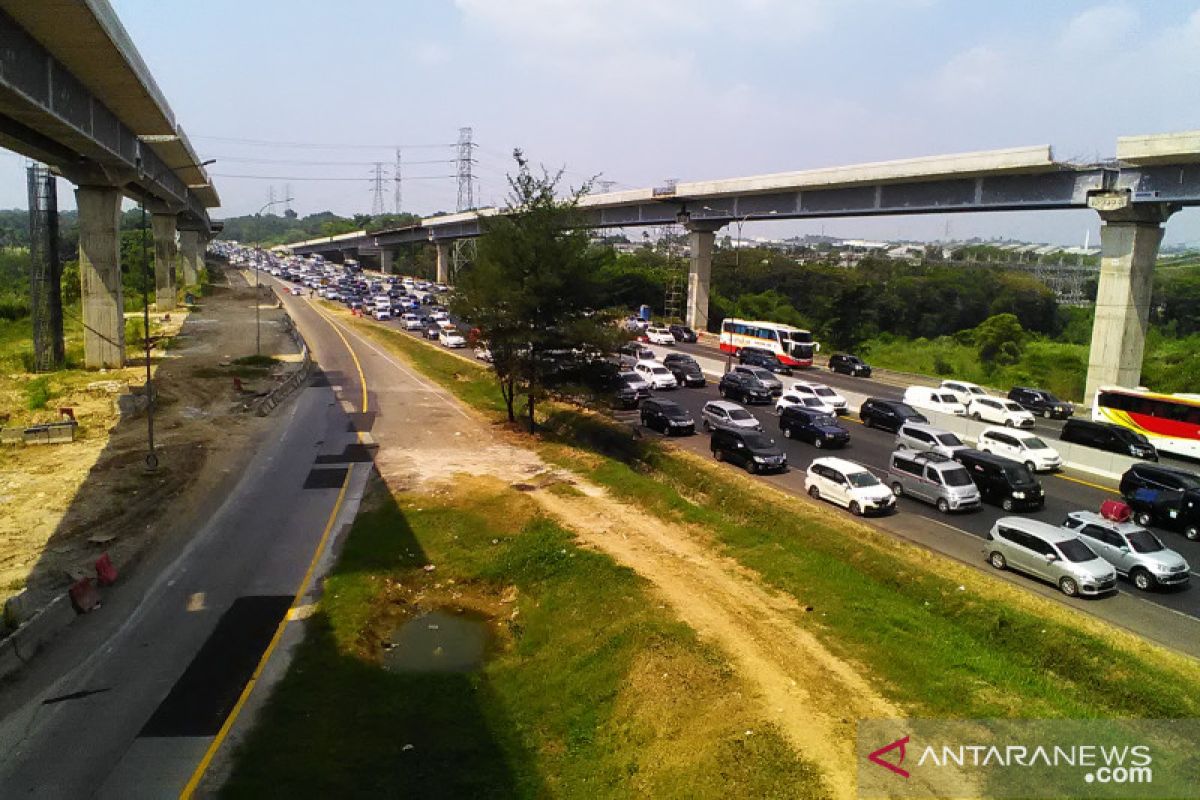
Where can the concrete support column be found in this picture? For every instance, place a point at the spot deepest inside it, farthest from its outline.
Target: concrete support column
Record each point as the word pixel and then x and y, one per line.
pixel 100 276
pixel 191 256
pixel 1129 242
pixel 164 261
pixel 386 258
pixel 701 239
pixel 443 262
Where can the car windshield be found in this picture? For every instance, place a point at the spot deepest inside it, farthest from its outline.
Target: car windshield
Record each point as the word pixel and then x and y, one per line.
pixel 949 439
pixel 660 371
pixel 976 390
pixel 812 402
pixel 675 412
pixel 759 441
pixel 1075 550
pixel 1034 443
pixel 1018 475
pixel 905 410
pixel 826 420
pixel 1049 398
pixel 862 480
pixel 1011 406
pixel 739 414
pixel 956 477
pixel 763 375
pixel 825 391
pixel 1145 542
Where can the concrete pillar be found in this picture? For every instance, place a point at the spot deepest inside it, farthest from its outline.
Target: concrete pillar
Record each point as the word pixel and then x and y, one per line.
pixel 443 262
pixel 164 261
pixel 386 258
pixel 701 239
pixel 100 276
pixel 1129 240
pixel 191 256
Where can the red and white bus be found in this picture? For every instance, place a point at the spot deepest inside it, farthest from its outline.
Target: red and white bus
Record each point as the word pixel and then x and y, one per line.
pixel 793 346
pixel 1170 421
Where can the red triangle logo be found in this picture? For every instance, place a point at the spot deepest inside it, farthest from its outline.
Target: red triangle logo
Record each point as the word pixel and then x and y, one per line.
pixel 899 744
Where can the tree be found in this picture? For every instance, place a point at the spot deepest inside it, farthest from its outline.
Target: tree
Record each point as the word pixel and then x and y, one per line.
pixel 1000 339
pixel 533 292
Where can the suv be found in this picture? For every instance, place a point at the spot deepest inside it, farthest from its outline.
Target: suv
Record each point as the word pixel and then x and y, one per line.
pixel 1164 496
pixel 747 388
pixel 821 430
pixel 1023 446
pixel 1134 551
pixel 723 414
pixel 765 377
pixel 999 412
pixel 933 478
pixel 849 365
pixel 875 412
pixel 758 357
pixel 682 333
pixel 926 438
pixel 1002 481
pixel 667 417
pixel 753 450
pixel 1106 436
pixel 685 369
pixel 656 374
pixel 823 393
pixel 1052 554
pixel 848 484
pixel 1039 401
pixel 965 391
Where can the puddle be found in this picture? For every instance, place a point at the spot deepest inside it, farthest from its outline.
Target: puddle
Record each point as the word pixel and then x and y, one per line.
pixel 439 641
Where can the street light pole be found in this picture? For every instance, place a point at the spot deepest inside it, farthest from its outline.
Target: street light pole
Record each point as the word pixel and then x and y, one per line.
pixel 257 292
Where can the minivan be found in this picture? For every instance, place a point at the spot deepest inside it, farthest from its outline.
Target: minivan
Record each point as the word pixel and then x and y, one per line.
pixel 1165 497
pixel 760 357
pixel 920 438
pixel 1002 481
pixel 666 417
pixel 1134 552
pixel 754 451
pixel 1106 436
pixel 933 478
pixel 1023 446
pixel 848 484
pixel 940 400
pixel 724 414
pixel 889 415
pixel 1039 401
pixel 1052 554
pixel 765 376
pixel 965 391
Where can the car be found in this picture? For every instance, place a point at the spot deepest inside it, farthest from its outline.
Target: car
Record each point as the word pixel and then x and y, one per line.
pixel 764 375
pixel 432 331
pixel 999 412
pixel 411 322
pixel 939 400
pixel 656 374
pixel 921 438
pixel 629 390
pixel 791 399
pixel 685 369
pixel 1039 401
pixel 745 388
pixel 682 333
pixel 667 417
pixel 1134 552
pixel 1023 446
pixel 823 393
pixel 381 314
pixel 483 353
pixel 723 414
pixel 631 353
pixel 1050 553
pixel 848 364
pixel 1163 496
pixel 753 450
pixel 819 429
pixel 1002 481
pixel 888 415
pixel 848 484
pixel 636 380
pixel 964 391
pixel 297 291
pixel 660 336
pixel 933 478
pixel 764 359
pixel 1107 436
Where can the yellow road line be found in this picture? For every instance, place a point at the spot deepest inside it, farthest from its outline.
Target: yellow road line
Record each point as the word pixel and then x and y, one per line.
pixel 1085 483
pixel 362 378
pixel 219 739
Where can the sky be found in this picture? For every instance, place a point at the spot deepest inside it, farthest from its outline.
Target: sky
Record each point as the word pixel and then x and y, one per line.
pixel 639 91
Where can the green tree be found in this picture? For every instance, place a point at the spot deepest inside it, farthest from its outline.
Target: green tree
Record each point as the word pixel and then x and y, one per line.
pixel 1000 339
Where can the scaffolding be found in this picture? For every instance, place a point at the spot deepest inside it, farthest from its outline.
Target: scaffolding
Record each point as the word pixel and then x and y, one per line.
pixel 45 271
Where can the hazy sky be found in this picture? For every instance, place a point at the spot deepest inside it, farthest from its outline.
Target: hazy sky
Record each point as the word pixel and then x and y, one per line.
pixel 643 90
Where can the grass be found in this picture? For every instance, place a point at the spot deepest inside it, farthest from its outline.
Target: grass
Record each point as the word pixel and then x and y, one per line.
pixel 989 649
pixel 37 393
pixel 590 689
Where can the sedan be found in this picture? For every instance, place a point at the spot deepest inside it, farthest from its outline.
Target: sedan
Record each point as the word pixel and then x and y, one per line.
pixel 659 336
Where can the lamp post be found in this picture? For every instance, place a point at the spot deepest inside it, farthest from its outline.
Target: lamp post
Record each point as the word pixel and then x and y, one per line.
pixel 257 257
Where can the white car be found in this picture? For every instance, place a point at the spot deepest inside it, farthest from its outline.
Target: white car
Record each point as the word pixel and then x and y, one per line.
pixel 793 398
pixel 658 376
pixel 381 314
pixel 1021 446
pixel 411 322
pixel 823 393
pixel 1000 412
pixel 449 337
pixel 965 391
pixel 440 316
pixel 941 400
pixel 483 353
pixel 659 336
pixel 847 484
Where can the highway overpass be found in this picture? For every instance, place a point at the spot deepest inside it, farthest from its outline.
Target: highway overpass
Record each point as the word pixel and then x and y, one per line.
pixel 1135 192
pixel 76 95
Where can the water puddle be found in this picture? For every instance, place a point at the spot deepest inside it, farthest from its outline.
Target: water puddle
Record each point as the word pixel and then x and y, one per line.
pixel 439 641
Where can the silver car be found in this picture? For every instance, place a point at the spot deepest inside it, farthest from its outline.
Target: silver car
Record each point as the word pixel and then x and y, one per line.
pixel 1134 551
pixel 724 414
pixel 635 380
pixel 765 377
pixel 1050 553
pixel 933 478
pixel 921 437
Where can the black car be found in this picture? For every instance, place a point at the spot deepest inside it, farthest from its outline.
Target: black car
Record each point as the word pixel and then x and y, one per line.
pixel 754 451
pixel 849 365
pixel 685 369
pixel 682 333
pixel 1165 497
pixel 626 394
pixel 889 415
pixel 432 331
pixel 1039 401
pixel 1106 436
pixel 667 417
pixel 821 430
pixel 758 357
pixel 743 388
pixel 1002 481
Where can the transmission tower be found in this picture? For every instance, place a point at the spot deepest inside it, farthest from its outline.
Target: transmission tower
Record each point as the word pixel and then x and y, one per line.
pixel 271 197
pixel 398 179
pixel 45 274
pixel 377 189
pixel 466 181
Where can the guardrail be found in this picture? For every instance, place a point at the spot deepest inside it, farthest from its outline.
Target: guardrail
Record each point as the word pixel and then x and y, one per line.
pixel 273 398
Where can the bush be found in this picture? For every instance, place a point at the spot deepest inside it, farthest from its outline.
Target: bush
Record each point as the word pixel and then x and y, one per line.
pixel 37 393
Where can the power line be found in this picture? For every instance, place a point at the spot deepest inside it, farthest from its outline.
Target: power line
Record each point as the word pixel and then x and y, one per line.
pixel 311 178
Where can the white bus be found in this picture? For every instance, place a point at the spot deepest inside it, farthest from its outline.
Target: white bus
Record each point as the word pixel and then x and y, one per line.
pixel 1170 421
pixel 792 346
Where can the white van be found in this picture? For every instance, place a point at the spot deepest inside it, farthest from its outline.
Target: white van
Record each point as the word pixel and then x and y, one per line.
pixel 965 391
pixel 929 399
pixel 1023 446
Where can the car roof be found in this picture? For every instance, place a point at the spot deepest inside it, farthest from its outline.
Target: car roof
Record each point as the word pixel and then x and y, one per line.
pixel 1016 433
pixel 1099 519
pixel 840 464
pixel 921 426
pixel 986 458
pixel 725 404
pixel 1051 533
pixel 934 459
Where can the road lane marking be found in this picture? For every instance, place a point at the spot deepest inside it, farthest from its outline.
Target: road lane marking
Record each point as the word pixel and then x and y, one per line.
pixel 201 768
pixel 362 378
pixel 1085 483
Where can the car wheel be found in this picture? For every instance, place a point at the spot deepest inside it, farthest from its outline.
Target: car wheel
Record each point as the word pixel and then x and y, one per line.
pixel 1191 533
pixel 1143 580
pixel 943 506
pixel 1008 423
pixel 977 417
pixel 814 492
pixel 867 423
pixel 1007 504
pixel 1046 413
pixel 818 442
pixel 1029 466
pixel 718 455
pixel 997 561
pixel 855 509
pixel 752 467
pixel 787 433
pixel 1069 587
pixel 1142 518
pixel 897 489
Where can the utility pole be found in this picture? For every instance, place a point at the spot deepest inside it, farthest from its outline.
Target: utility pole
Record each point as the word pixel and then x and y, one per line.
pixel 398 178
pixel 377 189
